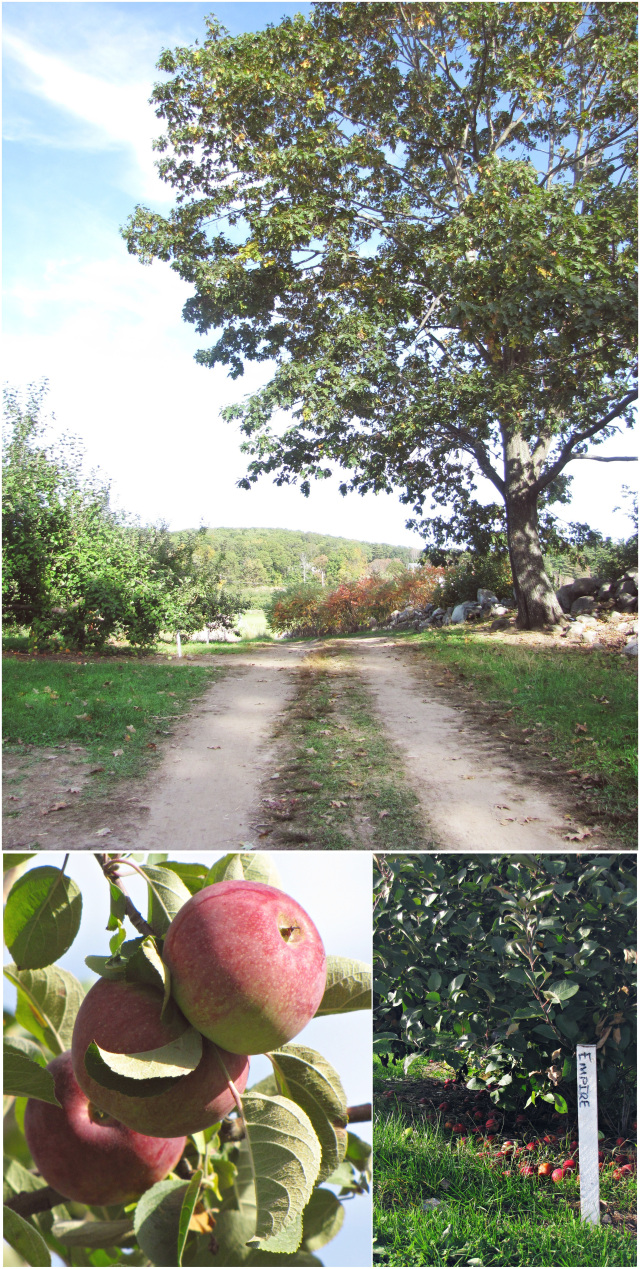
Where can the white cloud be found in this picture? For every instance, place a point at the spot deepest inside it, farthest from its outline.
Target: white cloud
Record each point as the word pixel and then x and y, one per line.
pixel 113 115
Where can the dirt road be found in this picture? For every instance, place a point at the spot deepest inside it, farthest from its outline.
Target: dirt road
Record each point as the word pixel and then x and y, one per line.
pixel 475 792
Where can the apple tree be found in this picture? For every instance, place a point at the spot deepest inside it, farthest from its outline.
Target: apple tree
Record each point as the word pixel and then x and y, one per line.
pixel 422 216
pixel 172 1156
pixel 506 963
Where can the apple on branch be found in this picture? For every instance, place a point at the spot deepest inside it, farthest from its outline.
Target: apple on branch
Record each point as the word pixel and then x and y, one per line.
pixel 247 965
pixel 88 1156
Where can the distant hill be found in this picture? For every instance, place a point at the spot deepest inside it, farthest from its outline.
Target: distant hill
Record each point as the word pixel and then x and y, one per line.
pixel 276 557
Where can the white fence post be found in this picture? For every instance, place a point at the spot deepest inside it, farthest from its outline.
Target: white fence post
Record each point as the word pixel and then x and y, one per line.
pixel 588 1133
pixel 178 643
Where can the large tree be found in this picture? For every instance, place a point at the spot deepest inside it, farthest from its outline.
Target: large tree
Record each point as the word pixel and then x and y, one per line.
pixel 422 216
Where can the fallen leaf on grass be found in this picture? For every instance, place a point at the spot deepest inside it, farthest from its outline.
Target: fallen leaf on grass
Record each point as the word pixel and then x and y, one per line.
pixel 117 753
pixel 511 819
pixel 311 750
pixel 95 770
pixel 130 727
pixel 354 784
pixel 502 806
pixel 151 745
pixel 581 727
pixel 382 815
pixel 85 717
pixel 102 832
pixel 578 836
pixel 337 804
pixel 220 747
pixel 57 806
pixel 73 789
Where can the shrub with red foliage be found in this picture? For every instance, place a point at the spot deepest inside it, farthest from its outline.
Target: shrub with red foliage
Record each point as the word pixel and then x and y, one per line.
pixel 309 610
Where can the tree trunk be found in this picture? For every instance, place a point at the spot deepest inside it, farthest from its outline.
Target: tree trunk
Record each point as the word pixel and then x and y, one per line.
pixel 536 598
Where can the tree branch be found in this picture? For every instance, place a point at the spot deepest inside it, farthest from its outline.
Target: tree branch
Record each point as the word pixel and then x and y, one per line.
pixel 566 454
pixel 595 458
pixel 359 1114
pixel 110 867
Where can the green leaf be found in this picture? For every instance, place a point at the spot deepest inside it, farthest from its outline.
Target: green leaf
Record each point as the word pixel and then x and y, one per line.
pixel 563 989
pixel 145 965
pixel 193 875
pixel 322 1220
pixel 286 1156
pixel 12 859
pixel 310 1081
pixel 560 1104
pixel 42 917
pixel 17 1178
pixel 145 1074
pixel 229 868
pixel 434 981
pixel 23 1071
pixel 24 1238
pixel 348 986
pixel 186 1212
pixel 93 1233
pixel 343 1176
pixel 287 1240
pixel 111 967
pixel 167 895
pixel 258 866
pixel 358 1152
pixel 48 1001
pixel 157 1221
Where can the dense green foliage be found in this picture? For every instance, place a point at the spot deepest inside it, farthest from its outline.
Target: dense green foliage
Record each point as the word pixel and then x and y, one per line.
pixel 75 570
pixel 254 557
pixel 514 959
pixel 425 216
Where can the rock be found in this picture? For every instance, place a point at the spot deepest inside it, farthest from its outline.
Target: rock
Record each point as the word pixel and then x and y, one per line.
pixel 589 635
pixel 585 604
pixel 500 623
pixel 606 591
pixel 372 623
pixel 425 625
pixel 486 596
pixel 629 583
pixel 462 612
pixel 626 602
pixel 631 649
pixel 575 590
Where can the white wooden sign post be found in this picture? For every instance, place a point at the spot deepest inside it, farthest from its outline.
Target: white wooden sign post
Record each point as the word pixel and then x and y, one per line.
pixel 588 1133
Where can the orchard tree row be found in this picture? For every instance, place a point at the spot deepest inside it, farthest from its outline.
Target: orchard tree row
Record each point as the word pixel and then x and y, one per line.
pixel 77 572
pixel 135 1135
pixel 502 964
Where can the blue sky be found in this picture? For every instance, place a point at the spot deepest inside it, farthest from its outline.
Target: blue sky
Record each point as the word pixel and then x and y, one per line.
pixel 335 890
pixel 108 333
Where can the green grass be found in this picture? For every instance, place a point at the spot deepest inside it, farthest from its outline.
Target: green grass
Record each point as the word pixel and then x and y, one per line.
pixel 45 703
pixel 483 1217
pixel 341 765
pixel 581 707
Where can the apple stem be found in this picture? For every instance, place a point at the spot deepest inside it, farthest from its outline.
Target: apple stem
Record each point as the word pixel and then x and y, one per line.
pixel 109 865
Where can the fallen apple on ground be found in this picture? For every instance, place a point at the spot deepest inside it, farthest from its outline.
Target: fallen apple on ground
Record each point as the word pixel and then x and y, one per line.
pixel 90 1157
pixel 126 1018
pixel 247 965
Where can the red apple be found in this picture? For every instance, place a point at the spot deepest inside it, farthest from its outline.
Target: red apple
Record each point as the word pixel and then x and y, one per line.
pixel 87 1156
pixel 557 1175
pixel 526 1169
pixel 247 965
pixel 125 1018
pixel 545 1169
pixel 569 1165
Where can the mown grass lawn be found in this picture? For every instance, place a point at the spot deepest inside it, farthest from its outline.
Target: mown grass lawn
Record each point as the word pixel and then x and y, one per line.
pixel 120 705
pixel 579 706
pixel 485 1212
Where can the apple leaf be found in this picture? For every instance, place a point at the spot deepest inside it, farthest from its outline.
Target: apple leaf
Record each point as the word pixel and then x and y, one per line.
pixel 167 895
pixel 93 1233
pixel 145 1074
pixel 42 917
pixel 229 868
pixel 111 967
pixel 286 1241
pixel 322 1219
pixel 157 1221
pixel 257 866
pixel 359 1152
pixel 17 1178
pixel 286 1156
pixel 310 1081
pixel 24 1238
pixel 13 859
pixel 48 1001
pixel 193 875
pixel 186 1212
pixel 23 1071
pixel 145 965
pixel 348 986
pixel 563 989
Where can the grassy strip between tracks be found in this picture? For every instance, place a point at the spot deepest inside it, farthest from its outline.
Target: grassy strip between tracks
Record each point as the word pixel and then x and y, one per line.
pixel 340 784
pixel 486 1213
pixel 100 707
pixel 575 707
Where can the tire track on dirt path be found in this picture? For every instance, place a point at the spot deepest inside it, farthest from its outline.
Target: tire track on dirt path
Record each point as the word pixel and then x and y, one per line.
pixel 206 791
pixel 473 797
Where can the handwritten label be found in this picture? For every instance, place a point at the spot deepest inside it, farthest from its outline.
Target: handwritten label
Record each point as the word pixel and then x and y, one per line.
pixel 588 1133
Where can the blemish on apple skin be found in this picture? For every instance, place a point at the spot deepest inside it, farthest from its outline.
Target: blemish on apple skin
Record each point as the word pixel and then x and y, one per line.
pixel 290 933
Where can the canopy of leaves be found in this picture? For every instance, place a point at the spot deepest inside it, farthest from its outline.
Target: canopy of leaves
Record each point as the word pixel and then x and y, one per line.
pixel 509 961
pixel 424 215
